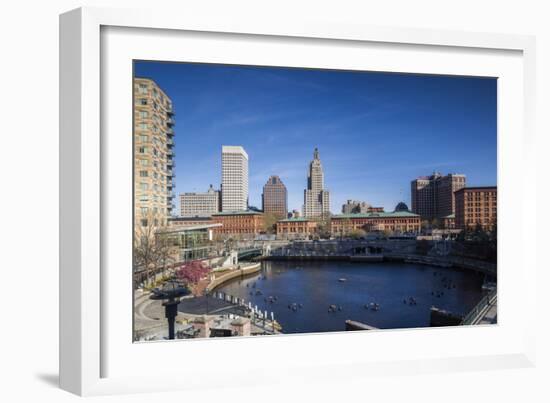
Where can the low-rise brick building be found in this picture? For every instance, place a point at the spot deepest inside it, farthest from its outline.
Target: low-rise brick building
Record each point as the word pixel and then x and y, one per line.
pixel 476 206
pixel 296 228
pixel 397 221
pixel 239 224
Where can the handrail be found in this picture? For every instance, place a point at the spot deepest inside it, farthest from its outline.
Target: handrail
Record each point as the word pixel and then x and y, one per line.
pixel 482 305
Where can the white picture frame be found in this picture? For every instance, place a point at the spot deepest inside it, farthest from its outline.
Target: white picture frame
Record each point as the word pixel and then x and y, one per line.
pixel 94 356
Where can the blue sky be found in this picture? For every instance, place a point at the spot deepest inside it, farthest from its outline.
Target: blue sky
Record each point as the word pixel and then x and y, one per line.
pixel 375 131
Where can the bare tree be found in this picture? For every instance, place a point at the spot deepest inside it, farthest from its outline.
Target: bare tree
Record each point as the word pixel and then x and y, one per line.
pixel 165 250
pixel 147 250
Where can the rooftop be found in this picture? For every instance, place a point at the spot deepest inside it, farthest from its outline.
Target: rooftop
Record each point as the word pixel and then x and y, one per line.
pixel 190 218
pixel 234 150
pixel 395 214
pixel 474 188
pixel 294 219
pixel 241 212
pixel 137 79
pixel 191 228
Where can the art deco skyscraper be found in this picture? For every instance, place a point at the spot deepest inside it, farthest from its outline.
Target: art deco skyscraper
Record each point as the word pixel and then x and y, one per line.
pixel 154 155
pixel 316 198
pixel 274 197
pixel 234 179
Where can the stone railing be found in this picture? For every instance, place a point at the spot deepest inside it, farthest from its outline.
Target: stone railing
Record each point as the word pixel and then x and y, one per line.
pixel 218 279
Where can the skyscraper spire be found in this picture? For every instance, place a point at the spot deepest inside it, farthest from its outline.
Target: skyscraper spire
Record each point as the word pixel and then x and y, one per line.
pixel 316 198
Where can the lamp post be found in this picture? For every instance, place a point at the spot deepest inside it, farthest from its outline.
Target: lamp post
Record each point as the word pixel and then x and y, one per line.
pixel 206 293
pixel 171 292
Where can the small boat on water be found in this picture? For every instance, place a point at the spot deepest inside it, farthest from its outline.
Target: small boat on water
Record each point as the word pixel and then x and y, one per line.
pixel 373 306
pixel 293 306
pixel 342 280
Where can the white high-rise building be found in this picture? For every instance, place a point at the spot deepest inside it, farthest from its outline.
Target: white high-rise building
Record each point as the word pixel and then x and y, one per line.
pixel 234 179
pixel 316 198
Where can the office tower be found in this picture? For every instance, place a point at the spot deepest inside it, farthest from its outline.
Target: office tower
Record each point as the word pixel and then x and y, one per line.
pixel 274 197
pixel 234 179
pixel 433 196
pixel 200 204
pixel 355 207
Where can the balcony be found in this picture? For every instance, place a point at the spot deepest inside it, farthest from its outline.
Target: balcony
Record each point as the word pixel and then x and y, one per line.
pixel 170 142
pixel 169 131
pixel 170 122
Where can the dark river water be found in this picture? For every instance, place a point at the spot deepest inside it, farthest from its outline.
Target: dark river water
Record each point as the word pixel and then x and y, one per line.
pixel 316 285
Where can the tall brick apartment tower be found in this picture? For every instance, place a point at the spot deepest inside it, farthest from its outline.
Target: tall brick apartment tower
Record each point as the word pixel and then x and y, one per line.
pixel 153 154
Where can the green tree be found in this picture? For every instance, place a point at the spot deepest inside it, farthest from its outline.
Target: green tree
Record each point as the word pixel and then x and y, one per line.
pixel 270 223
pixel 358 233
pixel 323 226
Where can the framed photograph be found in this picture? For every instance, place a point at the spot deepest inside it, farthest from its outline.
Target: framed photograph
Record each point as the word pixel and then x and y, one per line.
pixel 315 199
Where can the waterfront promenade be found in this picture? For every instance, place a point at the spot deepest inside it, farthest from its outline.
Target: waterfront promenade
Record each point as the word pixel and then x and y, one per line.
pixel 150 324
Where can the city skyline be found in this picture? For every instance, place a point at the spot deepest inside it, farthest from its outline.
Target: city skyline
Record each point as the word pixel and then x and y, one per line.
pixel 364 125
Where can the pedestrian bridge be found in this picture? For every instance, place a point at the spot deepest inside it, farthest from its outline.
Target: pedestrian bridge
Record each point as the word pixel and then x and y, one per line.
pixel 250 253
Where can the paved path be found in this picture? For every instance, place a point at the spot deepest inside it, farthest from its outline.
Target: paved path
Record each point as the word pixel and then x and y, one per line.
pixel 150 323
pixel 208 305
pixel 490 316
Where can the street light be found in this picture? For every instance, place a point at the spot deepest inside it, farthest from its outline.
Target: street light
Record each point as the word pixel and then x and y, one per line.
pixel 206 292
pixel 171 291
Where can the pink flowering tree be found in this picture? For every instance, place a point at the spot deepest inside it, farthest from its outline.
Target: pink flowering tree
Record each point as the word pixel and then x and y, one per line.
pixel 190 273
